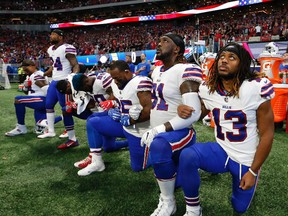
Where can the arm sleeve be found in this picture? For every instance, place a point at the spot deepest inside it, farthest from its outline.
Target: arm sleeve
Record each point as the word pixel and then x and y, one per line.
pixel 190 99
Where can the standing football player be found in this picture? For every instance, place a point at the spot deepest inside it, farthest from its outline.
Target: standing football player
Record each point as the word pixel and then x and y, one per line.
pixel 239 100
pixel 174 83
pixel 64 60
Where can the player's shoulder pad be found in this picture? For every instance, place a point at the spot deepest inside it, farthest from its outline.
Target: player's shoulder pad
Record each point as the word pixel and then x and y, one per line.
pixel 192 72
pixel 263 86
pixel 106 79
pixel 143 83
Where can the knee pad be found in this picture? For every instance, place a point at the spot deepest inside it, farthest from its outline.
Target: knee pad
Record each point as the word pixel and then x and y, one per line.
pixel 160 151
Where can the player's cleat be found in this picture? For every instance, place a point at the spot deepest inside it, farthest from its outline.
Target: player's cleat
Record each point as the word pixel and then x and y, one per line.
pixel 68 144
pixel 46 135
pixel 95 166
pixel 166 207
pixel 84 163
pixel 194 211
pixel 64 134
pixel 17 131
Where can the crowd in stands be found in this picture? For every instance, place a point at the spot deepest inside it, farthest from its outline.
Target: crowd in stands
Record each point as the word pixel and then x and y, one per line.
pixel 35 5
pixel 164 7
pixel 19 45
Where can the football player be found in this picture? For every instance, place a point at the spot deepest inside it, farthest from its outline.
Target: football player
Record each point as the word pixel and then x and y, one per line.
pixel 128 116
pixel 64 60
pixel 83 101
pixel 244 128
pixel 174 83
pixel 36 88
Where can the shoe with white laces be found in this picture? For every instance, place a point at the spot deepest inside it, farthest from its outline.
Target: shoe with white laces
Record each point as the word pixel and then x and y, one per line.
pixel 64 135
pixel 46 135
pixel 68 144
pixel 95 166
pixel 19 130
pixel 84 163
pixel 193 211
pixel 166 207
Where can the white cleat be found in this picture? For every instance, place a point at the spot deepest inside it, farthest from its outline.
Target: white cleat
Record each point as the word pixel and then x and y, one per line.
pixel 194 211
pixel 17 131
pixel 166 207
pixel 64 135
pixel 96 166
pixel 46 135
pixel 83 163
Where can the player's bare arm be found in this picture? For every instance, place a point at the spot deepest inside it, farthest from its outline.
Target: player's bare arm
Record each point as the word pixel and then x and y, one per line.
pixel 109 92
pixel 265 122
pixel 48 73
pixel 74 63
pixel 41 83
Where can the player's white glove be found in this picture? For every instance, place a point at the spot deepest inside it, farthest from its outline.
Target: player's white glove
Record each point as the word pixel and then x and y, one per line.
pixel 135 111
pixel 149 135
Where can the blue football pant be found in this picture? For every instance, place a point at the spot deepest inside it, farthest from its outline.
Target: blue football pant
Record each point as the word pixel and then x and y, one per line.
pixel 212 158
pixel 53 96
pixel 34 102
pixel 102 132
pixel 165 151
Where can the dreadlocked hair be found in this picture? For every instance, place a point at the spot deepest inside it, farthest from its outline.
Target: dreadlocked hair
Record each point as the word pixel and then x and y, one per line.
pixel 244 72
pixel 180 58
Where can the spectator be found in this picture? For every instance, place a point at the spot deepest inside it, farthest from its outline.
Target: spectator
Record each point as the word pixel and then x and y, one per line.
pixel 143 68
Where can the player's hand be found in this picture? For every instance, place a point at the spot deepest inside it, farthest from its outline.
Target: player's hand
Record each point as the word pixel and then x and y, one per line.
pixel 70 106
pixel 184 111
pixel 108 104
pixel 247 181
pixel 135 111
pixel 115 114
pixel 125 120
pixel 149 135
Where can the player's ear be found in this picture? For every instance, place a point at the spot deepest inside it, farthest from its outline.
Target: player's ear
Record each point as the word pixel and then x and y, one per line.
pixel 177 50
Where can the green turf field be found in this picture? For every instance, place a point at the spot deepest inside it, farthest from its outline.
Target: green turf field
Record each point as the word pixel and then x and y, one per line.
pixel 37 179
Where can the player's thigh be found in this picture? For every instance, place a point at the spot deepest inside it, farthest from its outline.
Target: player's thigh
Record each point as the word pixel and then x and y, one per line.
pixel 106 126
pixel 207 156
pixel 51 97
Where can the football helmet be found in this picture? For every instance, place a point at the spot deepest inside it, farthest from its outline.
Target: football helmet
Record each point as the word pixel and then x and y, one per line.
pixel 41 126
pixel 272 48
pixel 204 56
pixel 206 120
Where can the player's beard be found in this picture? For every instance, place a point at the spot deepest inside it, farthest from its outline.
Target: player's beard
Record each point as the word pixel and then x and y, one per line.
pixel 54 41
pixel 229 76
pixel 122 84
pixel 162 56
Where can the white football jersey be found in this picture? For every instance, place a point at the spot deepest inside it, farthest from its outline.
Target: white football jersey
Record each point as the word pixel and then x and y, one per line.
pixel 101 84
pixel 128 97
pixel 61 65
pixel 235 118
pixel 36 90
pixel 166 90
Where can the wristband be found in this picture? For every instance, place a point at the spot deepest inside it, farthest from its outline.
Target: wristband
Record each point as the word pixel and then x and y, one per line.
pixel 252 172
